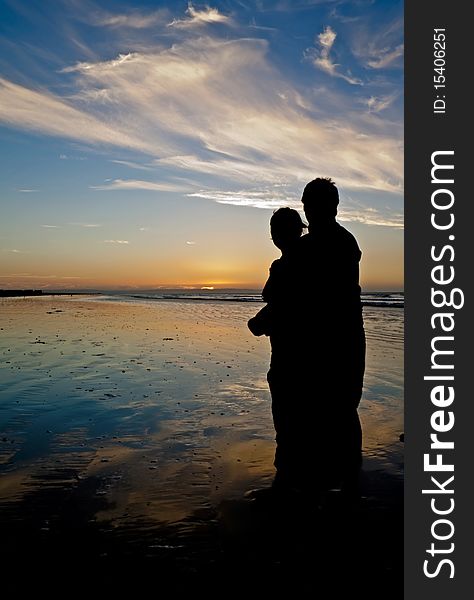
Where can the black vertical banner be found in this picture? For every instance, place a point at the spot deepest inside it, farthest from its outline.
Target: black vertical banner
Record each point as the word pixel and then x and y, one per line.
pixel 439 252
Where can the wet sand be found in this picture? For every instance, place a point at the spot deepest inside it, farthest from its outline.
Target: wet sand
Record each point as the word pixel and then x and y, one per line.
pixel 130 432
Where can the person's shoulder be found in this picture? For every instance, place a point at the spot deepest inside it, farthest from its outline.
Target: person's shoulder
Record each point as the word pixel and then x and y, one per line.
pixel 277 267
pixel 343 231
pixel 275 264
pixel 348 239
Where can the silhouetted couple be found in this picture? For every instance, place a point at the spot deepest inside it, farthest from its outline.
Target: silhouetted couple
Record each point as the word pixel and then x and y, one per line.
pixel 313 316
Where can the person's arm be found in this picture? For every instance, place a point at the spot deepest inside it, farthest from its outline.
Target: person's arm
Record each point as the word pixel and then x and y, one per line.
pixel 270 291
pixel 261 323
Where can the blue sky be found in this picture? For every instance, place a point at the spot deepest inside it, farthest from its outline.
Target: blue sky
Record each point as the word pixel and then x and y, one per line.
pixel 147 143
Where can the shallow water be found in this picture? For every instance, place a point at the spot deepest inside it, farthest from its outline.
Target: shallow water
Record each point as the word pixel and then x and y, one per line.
pixel 164 403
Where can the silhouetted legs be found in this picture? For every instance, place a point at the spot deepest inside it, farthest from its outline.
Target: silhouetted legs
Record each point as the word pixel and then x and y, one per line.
pixel 318 437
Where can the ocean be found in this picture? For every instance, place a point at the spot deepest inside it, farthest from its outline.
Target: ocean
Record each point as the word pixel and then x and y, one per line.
pixel 156 404
pixel 381 299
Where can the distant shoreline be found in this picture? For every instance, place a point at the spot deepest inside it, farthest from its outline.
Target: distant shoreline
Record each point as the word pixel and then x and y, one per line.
pixel 24 293
pixel 377 299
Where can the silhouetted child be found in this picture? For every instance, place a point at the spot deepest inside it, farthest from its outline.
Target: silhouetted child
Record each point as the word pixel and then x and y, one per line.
pixel 286 228
pixel 276 321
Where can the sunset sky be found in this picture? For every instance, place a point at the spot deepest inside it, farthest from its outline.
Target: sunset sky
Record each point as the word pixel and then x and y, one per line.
pixel 147 143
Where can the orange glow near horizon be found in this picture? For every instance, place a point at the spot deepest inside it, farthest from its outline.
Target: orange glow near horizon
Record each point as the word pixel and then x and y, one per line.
pixel 217 262
pixel 77 283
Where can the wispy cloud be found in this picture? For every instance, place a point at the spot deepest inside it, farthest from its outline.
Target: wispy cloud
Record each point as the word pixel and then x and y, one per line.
pixel 179 107
pixel 91 225
pixel 382 48
pixel 353 210
pixel 338 16
pixel 50 226
pixel 15 251
pixel 321 59
pixel 191 243
pixel 273 198
pixel 67 157
pixel 376 104
pixel 371 217
pixel 265 198
pixel 27 190
pixel 132 165
pixel 116 242
pixel 82 67
pixel 136 184
pixel 385 57
pixel 197 18
pixel 28 109
pixel 133 20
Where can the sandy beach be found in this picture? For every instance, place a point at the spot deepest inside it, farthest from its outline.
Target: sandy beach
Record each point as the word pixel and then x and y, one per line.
pixel 131 430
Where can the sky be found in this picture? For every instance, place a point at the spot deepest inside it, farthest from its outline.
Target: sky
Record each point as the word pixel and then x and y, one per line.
pixel 146 144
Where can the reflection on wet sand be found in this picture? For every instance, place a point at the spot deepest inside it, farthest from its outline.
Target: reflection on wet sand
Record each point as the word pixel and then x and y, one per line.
pixel 132 431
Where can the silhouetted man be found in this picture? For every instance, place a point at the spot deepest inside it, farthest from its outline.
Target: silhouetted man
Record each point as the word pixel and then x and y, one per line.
pixel 334 361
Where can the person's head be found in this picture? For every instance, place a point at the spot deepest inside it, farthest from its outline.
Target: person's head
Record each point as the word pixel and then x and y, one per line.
pixel 320 199
pixel 286 227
